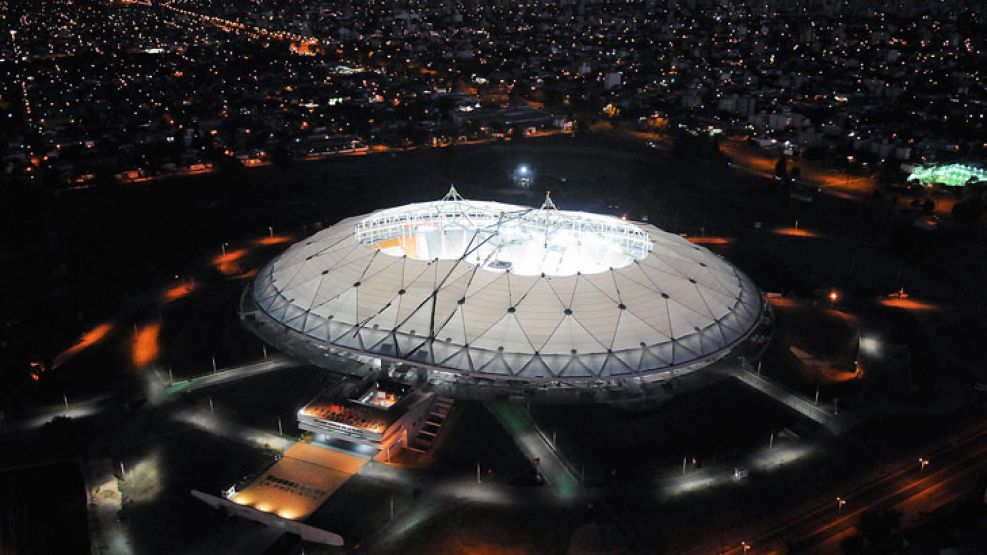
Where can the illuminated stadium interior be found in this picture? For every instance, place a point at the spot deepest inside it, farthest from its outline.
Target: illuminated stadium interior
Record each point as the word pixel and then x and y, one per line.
pixel 500 237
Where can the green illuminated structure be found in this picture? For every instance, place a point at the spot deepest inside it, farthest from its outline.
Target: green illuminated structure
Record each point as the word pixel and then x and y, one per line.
pixel 951 175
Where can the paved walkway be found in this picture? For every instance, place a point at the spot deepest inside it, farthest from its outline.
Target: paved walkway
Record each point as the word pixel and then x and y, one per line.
pixel 38 417
pixel 836 423
pixel 232 374
pixel 210 423
pixel 534 445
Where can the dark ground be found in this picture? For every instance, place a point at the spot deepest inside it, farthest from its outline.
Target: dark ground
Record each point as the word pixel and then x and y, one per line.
pixel 713 425
pixel 76 259
pixel 43 511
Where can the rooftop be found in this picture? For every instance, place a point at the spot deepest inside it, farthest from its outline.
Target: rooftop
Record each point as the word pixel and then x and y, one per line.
pixel 500 290
pixel 372 405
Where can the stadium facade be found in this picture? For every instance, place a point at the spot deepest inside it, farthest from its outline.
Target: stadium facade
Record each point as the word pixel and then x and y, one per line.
pixel 479 297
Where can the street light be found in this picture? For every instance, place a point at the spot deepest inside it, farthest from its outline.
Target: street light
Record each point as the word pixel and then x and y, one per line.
pixel 523 176
pixel 745 546
pixel 849 162
pixel 922 463
pixel 834 296
pixel 839 503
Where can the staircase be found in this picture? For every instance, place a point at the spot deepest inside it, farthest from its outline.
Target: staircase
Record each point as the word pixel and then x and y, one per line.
pixel 433 423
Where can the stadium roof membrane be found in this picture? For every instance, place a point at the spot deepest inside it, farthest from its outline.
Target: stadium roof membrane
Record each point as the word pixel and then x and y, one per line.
pixel 496 290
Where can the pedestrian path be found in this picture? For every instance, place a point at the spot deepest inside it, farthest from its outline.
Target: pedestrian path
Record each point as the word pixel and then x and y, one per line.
pixel 233 373
pixel 534 445
pixel 836 422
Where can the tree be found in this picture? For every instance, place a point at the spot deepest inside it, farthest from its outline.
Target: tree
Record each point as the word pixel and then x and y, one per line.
pixel 854 545
pixel 889 174
pixel 880 528
pixel 282 156
pixel 781 168
pixel 968 212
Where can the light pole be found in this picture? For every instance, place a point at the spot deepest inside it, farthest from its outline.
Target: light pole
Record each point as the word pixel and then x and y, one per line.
pixel 839 504
pixel 922 463
pixel 849 160
pixel 745 546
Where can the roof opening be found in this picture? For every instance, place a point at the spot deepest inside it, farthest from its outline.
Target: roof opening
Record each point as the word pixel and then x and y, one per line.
pixel 506 238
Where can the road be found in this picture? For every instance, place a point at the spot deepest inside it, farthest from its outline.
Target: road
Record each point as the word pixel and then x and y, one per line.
pixel 233 373
pixel 534 445
pixel 952 471
pixel 830 180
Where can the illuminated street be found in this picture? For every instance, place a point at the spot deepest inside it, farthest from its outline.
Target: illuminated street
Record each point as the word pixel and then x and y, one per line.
pixel 906 486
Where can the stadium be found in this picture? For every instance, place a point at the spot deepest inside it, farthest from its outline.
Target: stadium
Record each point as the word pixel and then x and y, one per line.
pixel 948 175
pixel 480 298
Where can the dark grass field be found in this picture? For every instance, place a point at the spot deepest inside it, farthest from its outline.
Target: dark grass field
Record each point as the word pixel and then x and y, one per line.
pixel 473 528
pixel 161 515
pixel 822 334
pixel 715 425
pixel 43 511
pixel 474 436
pixel 81 257
pixel 258 401
pixel 361 507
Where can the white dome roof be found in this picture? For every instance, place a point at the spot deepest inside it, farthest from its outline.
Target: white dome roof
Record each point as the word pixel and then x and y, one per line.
pixel 498 290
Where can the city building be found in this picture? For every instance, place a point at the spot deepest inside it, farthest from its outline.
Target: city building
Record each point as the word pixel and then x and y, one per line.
pixel 374 416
